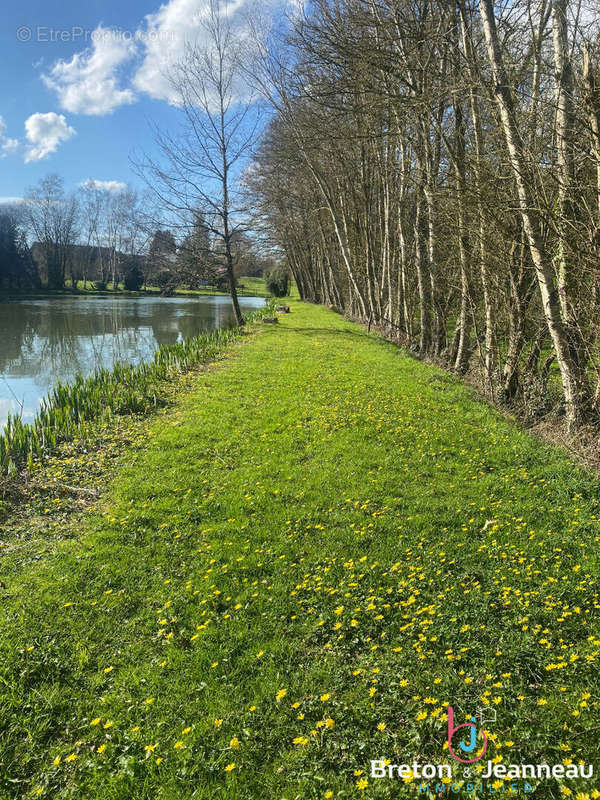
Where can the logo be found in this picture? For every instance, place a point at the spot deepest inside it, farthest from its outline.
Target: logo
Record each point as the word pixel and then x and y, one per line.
pixel 468 748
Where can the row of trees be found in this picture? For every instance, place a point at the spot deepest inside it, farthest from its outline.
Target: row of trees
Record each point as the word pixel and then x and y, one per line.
pixel 434 166
pixel 106 237
pixel 93 233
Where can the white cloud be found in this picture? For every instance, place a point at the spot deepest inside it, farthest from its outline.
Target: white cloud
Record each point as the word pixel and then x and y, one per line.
pixel 165 35
pixel 88 83
pixel 92 82
pixel 11 201
pixel 45 132
pixel 7 145
pixel 109 186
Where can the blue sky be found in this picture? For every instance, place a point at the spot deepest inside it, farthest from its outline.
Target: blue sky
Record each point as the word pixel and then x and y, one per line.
pixel 82 80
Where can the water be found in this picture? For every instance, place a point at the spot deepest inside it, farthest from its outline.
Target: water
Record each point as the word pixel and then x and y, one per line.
pixel 45 339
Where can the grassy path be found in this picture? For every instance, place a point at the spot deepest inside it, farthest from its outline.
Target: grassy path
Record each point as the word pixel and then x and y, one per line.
pixel 324 545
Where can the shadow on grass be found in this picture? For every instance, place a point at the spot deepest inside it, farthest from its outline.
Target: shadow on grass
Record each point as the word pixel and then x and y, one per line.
pixel 343 332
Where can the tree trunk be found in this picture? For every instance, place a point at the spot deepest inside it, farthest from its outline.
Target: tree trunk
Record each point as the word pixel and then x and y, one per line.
pixel 573 381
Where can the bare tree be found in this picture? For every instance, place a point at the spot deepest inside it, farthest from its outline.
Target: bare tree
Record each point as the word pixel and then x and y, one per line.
pixel 52 219
pixel 432 168
pixel 202 163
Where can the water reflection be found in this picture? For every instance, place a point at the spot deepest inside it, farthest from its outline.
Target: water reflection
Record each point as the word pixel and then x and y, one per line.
pixel 43 339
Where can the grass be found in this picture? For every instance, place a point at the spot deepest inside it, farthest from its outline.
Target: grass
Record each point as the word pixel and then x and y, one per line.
pixel 250 287
pixel 295 569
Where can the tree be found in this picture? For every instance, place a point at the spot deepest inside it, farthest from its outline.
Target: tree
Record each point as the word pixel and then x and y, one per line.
pixel 573 376
pixel 162 254
pixel 133 276
pixel 17 270
pixel 196 260
pixel 433 168
pixel 52 217
pixel 202 164
pixel 278 281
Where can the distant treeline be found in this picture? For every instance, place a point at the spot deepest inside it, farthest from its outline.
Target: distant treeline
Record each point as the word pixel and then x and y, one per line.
pixel 100 237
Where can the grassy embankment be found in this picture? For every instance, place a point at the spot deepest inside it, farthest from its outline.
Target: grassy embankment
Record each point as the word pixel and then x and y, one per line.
pixel 249 287
pixel 296 569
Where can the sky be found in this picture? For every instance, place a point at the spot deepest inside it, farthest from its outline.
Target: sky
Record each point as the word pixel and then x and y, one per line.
pixel 83 82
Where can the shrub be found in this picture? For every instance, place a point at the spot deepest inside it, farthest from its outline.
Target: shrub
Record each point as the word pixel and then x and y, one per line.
pixel 164 279
pixel 133 278
pixel 278 281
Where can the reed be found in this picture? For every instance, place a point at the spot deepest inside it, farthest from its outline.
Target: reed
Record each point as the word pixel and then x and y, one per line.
pixel 124 389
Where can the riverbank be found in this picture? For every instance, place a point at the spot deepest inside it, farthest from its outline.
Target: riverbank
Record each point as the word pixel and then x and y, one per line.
pixel 295 569
pixel 249 287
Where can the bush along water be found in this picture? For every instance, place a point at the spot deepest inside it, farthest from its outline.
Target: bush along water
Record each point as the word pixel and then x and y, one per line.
pixel 125 389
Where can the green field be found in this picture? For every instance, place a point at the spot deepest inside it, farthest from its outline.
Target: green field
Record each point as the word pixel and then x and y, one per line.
pixel 248 287
pixel 296 567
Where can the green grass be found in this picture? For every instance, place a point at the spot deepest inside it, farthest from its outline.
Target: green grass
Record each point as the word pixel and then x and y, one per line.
pixel 250 287
pixel 322 537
